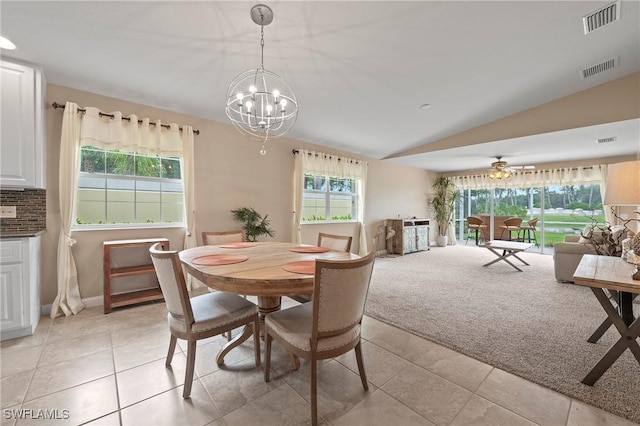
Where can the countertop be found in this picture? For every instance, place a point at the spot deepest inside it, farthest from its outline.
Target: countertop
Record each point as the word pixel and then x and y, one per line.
pixel 21 234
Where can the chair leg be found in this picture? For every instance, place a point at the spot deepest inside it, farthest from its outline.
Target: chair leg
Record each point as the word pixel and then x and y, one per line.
pixel 172 349
pixel 267 356
pixel 256 340
pixel 363 375
pixel 229 336
pixel 191 362
pixel 314 392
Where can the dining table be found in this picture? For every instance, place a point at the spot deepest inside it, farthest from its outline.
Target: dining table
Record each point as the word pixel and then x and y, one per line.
pixel 267 270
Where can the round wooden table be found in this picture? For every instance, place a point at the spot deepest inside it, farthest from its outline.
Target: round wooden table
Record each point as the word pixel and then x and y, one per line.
pixel 261 275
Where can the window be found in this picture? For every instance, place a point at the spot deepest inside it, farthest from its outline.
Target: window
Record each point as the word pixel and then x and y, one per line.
pixel 126 188
pixel 328 198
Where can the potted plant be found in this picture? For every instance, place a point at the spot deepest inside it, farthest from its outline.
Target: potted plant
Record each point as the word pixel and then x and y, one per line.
pixel 443 203
pixel 253 224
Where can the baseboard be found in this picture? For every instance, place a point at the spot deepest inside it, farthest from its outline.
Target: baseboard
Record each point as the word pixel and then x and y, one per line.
pixel 89 302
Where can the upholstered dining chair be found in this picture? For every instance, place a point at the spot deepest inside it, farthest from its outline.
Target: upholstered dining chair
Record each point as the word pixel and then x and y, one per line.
pixel 510 225
pixel 333 242
pixel 199 317
pixel 474 223
pixel 215 238
pixel 223 237
pixel 329 326
pixel 530 230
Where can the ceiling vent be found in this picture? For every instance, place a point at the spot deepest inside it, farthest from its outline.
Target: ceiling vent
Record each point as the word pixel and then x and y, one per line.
pixel 601 67
pixel 601 17
pixel 606 140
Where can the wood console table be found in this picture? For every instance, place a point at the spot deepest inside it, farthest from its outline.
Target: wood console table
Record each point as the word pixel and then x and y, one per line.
pixel 411 235
pixel 612 273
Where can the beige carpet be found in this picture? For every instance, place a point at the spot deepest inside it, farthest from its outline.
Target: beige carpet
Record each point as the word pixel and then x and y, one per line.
pixel 522 322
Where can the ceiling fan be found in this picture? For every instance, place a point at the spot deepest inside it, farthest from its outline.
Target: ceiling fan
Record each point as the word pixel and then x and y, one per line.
pixel 501 170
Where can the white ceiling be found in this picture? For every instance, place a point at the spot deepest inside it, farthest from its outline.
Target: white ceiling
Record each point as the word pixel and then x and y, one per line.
pixel 360 70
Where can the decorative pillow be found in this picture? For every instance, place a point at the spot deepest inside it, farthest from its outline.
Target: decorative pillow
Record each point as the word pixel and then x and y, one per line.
pixel 592 235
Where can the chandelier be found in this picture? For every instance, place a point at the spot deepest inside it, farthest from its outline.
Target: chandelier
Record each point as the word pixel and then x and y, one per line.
pixel 260 104
pixel 499 170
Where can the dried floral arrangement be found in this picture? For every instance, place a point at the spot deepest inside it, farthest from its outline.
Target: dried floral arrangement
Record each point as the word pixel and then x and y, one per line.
pixel 605 239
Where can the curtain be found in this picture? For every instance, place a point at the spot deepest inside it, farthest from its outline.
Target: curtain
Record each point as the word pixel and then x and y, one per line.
pixel 188 179
pixel 298 188
pixel 68 299
pixel 533 178
pixel 318 163
pixel 110 131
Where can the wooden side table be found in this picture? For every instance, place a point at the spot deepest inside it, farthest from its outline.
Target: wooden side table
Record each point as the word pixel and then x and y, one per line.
pixel 111 271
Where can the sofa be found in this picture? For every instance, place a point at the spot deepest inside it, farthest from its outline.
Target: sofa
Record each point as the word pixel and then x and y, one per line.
pixel 567 256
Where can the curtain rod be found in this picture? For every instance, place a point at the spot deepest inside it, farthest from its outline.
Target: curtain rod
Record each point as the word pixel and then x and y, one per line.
pixel 295 151
pixel 56 105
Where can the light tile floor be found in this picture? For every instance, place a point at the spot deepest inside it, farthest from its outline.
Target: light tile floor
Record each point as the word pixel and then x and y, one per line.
pixel 109 369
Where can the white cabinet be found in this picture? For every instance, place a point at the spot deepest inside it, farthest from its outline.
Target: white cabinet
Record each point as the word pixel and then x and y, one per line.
pixel 19 286
pixel 22 147
pixel 410 235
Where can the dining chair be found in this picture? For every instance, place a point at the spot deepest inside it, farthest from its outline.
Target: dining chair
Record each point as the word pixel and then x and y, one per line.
pixel 215 238
pixel 330 325
pixel 530 229
pixel 474 223
pixel 199 317
pixel 510 225
pixel 333 242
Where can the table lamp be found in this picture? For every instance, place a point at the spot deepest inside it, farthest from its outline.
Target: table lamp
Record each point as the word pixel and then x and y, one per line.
pixel 623 189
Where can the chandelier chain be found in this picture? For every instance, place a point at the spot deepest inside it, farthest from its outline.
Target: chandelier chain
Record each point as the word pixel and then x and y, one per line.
pixel 262 43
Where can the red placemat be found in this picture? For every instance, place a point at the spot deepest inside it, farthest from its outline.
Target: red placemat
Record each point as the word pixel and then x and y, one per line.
pixel 219 259
pixel 238 245
pixel 310 249
pixel 307 267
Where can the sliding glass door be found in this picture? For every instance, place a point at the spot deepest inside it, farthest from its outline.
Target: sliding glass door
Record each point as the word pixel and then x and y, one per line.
pixel 560 210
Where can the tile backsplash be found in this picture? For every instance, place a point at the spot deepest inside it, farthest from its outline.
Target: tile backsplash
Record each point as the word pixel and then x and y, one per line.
pixel 31 210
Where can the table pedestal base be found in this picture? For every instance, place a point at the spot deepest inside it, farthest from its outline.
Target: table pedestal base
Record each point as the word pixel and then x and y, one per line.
pixel 266 305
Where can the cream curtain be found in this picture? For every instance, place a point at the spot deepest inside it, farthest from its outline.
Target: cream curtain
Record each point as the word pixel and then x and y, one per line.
pixel 188 179
pixel 111 131
pixel 298 188
pixel 318 163
pixel 68 299
pixel 534 178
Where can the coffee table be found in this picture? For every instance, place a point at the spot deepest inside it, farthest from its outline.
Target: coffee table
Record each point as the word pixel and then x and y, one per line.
pixel 509 249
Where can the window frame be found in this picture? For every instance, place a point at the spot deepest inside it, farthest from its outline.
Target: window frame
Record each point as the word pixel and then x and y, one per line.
pixel 327 197
pixel 104 175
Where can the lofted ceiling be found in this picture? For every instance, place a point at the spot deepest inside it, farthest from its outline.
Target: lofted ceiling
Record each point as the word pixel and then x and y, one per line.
pixel 360 70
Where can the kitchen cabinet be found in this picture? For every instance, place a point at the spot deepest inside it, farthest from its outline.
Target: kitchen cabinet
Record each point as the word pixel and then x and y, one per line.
pixel 22 140
pixel 411 235
pixel 19 286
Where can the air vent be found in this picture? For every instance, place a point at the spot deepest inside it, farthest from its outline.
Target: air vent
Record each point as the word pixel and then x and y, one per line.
pixel 598 68
pixel 601 17
pixel 606 140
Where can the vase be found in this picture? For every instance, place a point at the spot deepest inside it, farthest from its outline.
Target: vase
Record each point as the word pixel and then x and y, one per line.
pixel 441 240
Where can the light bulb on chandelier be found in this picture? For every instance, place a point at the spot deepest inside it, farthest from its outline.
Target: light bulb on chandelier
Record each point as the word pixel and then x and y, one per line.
pixel 260 104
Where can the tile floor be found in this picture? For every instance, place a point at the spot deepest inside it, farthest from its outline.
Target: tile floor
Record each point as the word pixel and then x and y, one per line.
pixel 109 369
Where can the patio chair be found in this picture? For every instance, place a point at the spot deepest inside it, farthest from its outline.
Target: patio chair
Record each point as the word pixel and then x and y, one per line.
pixel 330 325
pixel 510 225
pixel 529 230
pixel 199 317
pixel 474 223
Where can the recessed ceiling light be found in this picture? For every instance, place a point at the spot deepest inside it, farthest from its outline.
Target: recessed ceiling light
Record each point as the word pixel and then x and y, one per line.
pixel 425 106
pixel 5 43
